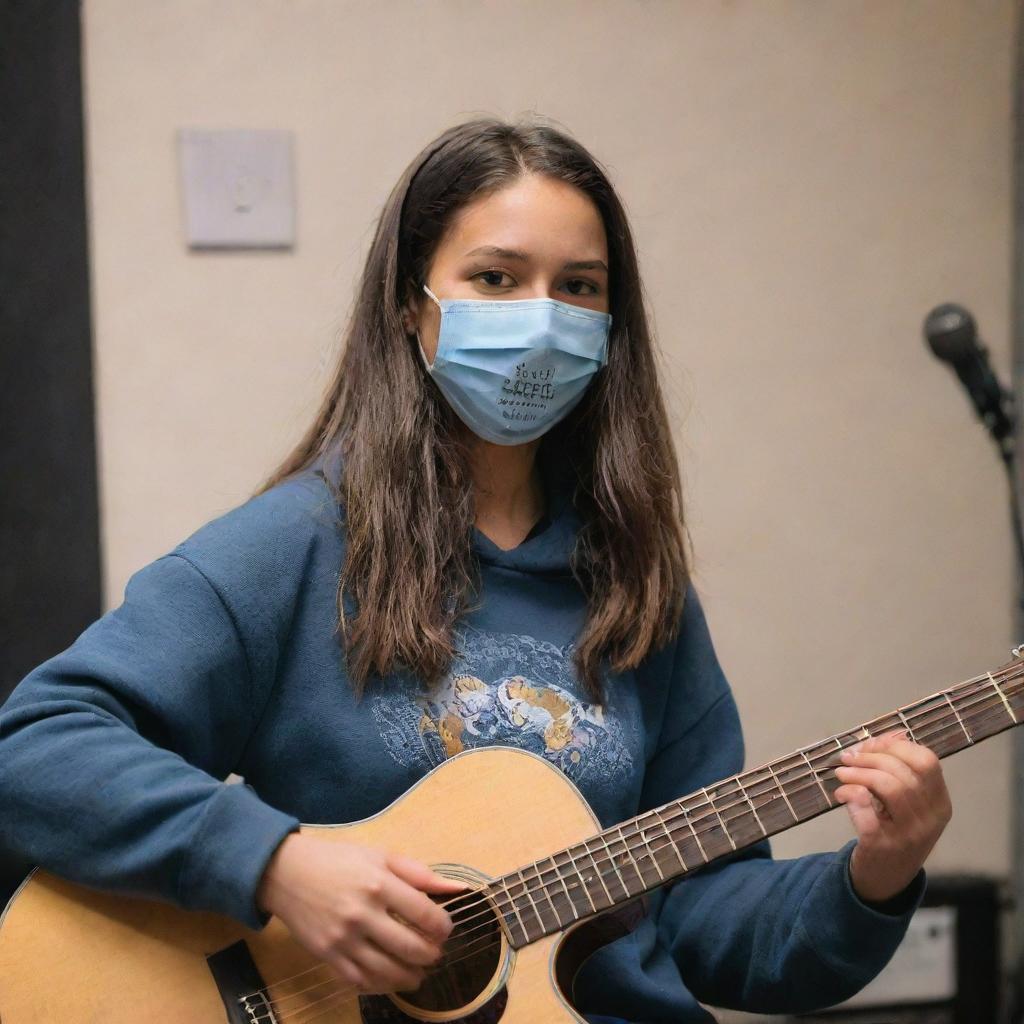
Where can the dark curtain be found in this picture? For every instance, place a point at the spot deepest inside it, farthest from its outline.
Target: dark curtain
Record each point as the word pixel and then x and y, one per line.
pixel 49 520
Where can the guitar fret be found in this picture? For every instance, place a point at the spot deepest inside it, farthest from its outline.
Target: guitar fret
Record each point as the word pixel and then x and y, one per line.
pixel 970 738
pixel 880 725
pixel 650 853
pixel 547 894
pixel 721 821
pixel 583 885
pixel 615 867
pixel 753 809
pixel 824 791
pixel 998 689
pixel 515 910
pixel 693 832
pixel 632 860
pixel 540 896
pixel 782 790
pixel 600 877
pixel 671 841
pixel 906 724
pixel 533 906
pixel 568 895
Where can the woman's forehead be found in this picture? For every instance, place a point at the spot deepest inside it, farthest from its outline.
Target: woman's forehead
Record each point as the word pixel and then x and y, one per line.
pixel 536 216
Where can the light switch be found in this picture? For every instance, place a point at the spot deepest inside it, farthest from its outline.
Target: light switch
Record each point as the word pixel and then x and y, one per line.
pixel 237 188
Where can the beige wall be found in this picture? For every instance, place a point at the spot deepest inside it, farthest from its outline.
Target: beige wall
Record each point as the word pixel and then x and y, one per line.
pixel 805 179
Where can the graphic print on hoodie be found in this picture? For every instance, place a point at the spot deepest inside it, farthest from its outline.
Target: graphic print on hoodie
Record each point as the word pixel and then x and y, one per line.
pixel 514 690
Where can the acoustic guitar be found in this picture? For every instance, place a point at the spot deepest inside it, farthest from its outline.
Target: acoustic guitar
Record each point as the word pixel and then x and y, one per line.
pixel 529 916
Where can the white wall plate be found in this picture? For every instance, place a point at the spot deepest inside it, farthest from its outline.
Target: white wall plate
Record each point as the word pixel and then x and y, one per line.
pixel 237 188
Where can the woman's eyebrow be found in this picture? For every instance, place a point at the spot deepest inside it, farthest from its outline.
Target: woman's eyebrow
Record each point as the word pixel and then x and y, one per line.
pixel 515 254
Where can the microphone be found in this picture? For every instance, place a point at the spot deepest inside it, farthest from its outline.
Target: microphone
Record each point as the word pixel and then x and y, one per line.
pixel 953 336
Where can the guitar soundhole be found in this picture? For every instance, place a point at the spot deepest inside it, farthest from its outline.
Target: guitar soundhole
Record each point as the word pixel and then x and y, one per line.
pixel 471 957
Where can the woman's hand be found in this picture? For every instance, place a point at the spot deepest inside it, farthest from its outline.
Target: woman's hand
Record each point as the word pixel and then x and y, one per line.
pixel 898 802
pixel 340 902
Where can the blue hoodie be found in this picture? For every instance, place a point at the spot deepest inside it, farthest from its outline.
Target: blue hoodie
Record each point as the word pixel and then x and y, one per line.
pixel 223 659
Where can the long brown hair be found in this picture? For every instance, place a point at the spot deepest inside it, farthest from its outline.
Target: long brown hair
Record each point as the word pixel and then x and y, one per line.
pixel 405 490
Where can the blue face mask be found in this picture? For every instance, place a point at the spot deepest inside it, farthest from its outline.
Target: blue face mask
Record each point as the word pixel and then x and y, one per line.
pixel 513 369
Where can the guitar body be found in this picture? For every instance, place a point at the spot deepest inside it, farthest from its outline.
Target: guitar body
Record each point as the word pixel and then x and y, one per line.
pixel 78 956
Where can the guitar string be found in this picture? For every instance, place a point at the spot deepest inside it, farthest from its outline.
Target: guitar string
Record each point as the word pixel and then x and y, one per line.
pixel 993 705
pixel 673 818
pixel 697 814
pixel 351 989
pixel 332 997
pixel 1014 673
pixel 921 719
pixel 337 994
pixel 987 701
pixel 652 850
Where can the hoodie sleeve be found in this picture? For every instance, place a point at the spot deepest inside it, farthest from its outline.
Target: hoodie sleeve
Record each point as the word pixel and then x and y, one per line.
pixel 112 753
pixel 750 932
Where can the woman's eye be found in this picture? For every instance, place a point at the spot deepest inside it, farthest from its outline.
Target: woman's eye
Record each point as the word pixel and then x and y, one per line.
pixel 499 274
pixel 577 281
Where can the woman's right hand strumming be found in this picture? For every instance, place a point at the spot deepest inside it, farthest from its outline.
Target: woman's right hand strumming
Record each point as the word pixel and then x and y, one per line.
pixel 361 910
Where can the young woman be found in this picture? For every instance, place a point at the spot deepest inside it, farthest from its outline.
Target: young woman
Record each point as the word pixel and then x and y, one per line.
pixel 479 541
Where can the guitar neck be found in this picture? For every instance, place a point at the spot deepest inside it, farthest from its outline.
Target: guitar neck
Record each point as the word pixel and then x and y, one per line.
pixel 681 836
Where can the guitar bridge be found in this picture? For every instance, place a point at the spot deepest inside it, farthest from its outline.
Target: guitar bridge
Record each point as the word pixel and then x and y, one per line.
pixel 241 986
pixel 258 1007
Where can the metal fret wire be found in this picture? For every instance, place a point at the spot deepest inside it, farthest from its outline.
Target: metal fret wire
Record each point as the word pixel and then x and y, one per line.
pixel 987 702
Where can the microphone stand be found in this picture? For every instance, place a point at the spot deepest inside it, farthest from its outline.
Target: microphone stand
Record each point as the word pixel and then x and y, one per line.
pixel 1008 453
pixel 1007 447
pixel 1015 1002
pixel 950 332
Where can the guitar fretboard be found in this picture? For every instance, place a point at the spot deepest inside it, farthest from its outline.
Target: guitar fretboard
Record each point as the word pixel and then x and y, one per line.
pixel 665 843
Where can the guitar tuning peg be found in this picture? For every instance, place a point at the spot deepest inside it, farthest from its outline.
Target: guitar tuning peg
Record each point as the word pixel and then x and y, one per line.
pixel 1018 651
